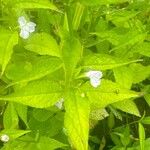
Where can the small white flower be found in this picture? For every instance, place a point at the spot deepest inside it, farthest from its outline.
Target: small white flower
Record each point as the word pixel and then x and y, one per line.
pixel 26 27
pixel 59 104
pixel 95 77
pixel 4 138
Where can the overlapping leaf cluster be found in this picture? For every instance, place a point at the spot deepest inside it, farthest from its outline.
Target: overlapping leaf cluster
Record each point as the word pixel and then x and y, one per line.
pixel 71 38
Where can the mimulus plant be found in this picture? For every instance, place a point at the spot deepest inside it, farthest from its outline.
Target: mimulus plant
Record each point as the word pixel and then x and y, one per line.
pixel 71 70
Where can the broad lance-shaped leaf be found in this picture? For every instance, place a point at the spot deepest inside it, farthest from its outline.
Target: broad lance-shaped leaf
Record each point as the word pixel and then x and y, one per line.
pixel 123 76
pixel 10 117
pixel 32 4
pixel 142 136
pixel 127 106
pixel 118 37
pixel 14 133
pixel 25 71
pixel 28 142
pixel 49 143
pixel 40 94
pixel 143 49
pixel 49 122
pixel 22 112
pixel 8 41
pixel 134 73
pixel 104 62
pixel 77 120
pixel 72 52
pixel 140 72
pixel 107 93
pixel 43 44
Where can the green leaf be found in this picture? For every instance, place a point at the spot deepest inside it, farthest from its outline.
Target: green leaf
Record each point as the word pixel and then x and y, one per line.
pixel 134 73
pixel 146 120
pixel 43 44
pixel 107 93
pixel 142 136
pixel 116 139
pixel 29 143
pixel 10 118
pixel 48 143
pixel 123 76
pixel 28 70
pixel 50 124
pixel 42 114
pixel 8 41
pixel 32 4
pixel 72 52
pixel 136 146
pixel 116 113
pixel 103 62
pixel 143 49
pixel 22 112
pixel 127 106
pixel 101 2
pixel 79 9
pixel 120 17
pixel 14 133
pixel 140 72
pixel 111 120
pixel 118 37
pixel 147 94
pixel 77 120
pixel 40 94
pixel 125 139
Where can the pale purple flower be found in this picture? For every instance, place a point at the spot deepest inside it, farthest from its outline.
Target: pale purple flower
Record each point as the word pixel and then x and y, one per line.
pixel 95 77
pixel 26 27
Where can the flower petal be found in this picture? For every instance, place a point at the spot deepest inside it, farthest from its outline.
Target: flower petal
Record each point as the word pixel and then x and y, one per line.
pixel 31 26
pixel 24 34
pixel 95 82
pixel 22 21
pixel 94 74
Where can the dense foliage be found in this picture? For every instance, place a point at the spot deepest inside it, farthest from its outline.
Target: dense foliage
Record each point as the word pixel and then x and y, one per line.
pixel 74 74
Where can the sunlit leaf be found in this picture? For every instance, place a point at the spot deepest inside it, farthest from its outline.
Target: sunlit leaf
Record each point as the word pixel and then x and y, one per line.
pixel 142 136
pixel 107 93
pixel 77 120
pixel 28 70
pixel 102 2
pixel 127 106
pixel 8 41
pixel 72 52
pixel 43 44
pixel 10 119
pixel 103 62
pixel 40 94
pixel 14 133
pixel 32 4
